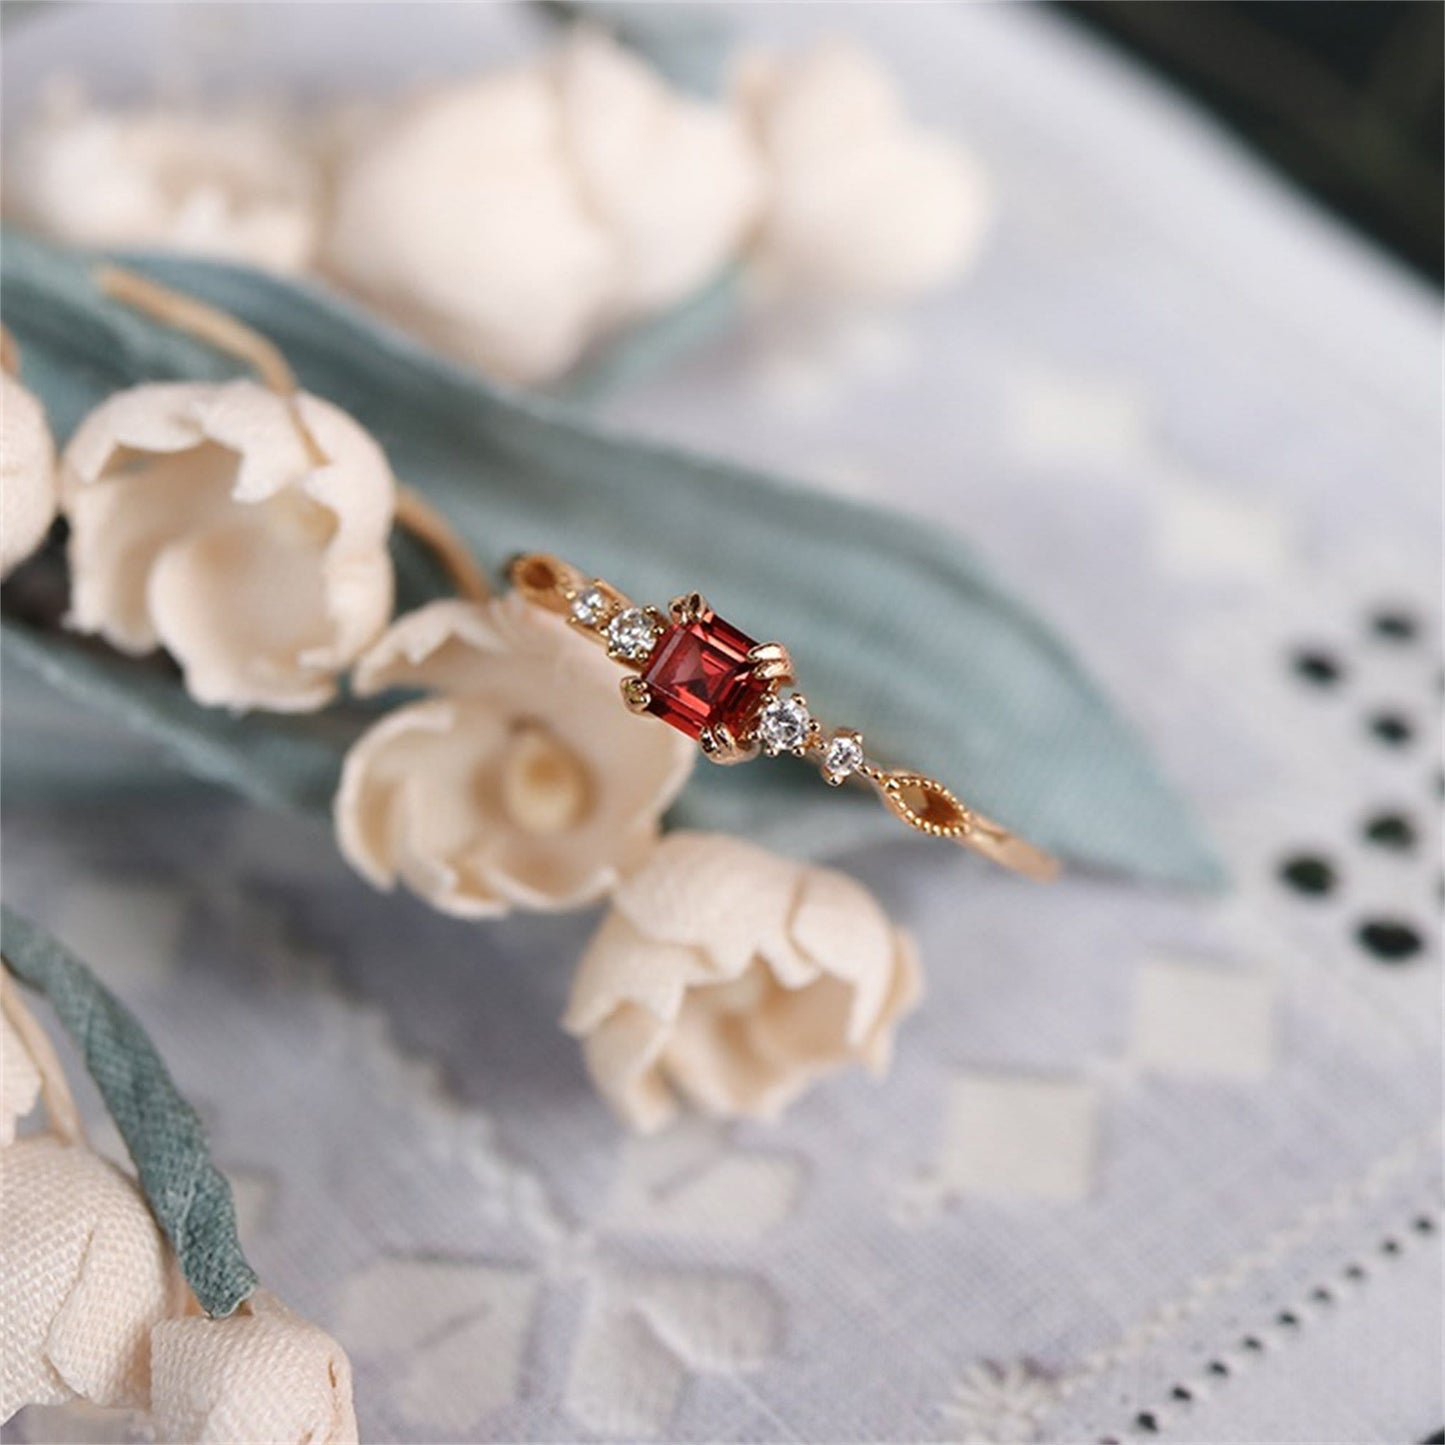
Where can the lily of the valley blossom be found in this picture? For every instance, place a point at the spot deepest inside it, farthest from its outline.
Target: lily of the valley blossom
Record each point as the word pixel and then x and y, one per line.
pixel 27 474
pixel 512 218
pixel 233 186
pixel 515 217
pixel 95 1307
pixel 861 202
pixel 733 979
pixel 242 530
pixel 521 783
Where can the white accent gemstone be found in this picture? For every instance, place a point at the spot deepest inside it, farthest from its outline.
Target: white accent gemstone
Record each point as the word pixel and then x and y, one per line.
pixel 783 724
pixel 632 634
pixel 589 607
pixel 844 755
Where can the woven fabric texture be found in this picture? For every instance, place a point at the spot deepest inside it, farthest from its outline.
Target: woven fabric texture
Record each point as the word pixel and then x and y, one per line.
pixel 191 1199
pixel 86 1277
pixel 264 1374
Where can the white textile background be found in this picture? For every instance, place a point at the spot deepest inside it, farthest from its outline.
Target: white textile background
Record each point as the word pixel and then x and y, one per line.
pixel 1148 1165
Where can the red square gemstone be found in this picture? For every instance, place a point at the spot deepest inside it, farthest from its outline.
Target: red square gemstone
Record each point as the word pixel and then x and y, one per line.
pixel 700 676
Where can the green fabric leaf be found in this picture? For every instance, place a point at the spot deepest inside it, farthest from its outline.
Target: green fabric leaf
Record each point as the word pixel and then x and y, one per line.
pixel 276 760
pixel 896 627
pixel 188 1195
pixel 649 346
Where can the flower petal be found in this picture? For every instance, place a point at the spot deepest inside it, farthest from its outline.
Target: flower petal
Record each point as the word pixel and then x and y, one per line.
pixel 27 474
pixel 621 969
pixel 742 1021
pixel 85 1277
pixel 674 180
pixel 805 1028
pixel 903 997
pixel 441 647
pixel 460 217
pixel 407 804
pixel 563 800
pixel 119 526
pixel 201 517
pixel 712 1057
pixel 861 202
pixel 237 186
pixel 262 1373
pixel 718 894
pixel 621 1055
pixel 19 1074
pixel 239 606
pixel 841 927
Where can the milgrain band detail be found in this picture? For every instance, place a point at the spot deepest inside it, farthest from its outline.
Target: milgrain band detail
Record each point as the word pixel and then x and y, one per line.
pixel 703 676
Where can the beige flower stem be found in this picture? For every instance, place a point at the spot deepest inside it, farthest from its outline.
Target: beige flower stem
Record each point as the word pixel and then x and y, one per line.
pixel 427 525
pixel 204 322
pixel 223 331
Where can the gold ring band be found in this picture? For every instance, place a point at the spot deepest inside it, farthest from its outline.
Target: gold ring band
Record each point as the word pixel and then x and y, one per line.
pixel 703 676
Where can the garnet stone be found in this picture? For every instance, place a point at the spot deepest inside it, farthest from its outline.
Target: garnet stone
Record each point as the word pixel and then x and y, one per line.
pixel 700 676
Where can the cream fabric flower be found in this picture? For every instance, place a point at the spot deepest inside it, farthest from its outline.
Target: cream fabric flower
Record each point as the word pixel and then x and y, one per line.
pixel 524 783
pixel 242 531
pixel 674 181
pixel 735 978
pixel 84 1270
pixel 461 219
pixel 262 1375
pixel 27 474
pixel 20 1078
pixel 860 202
pixel 512 218
pixel 84 1276
pixel 94 1307
pixel 30 1072
pixel 237 186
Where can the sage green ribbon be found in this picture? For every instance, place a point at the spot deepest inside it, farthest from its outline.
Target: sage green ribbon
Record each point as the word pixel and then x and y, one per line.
pixel 188 1195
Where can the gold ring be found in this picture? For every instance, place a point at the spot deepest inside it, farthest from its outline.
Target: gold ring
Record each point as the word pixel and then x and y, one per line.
pixel 711 681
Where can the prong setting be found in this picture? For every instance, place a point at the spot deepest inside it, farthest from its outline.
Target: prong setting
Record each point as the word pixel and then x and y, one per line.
pixel 632 634
pixel 842 756
pixel 636 694
pixel 688 608
pixel 784 725
pixel 720 746
pixel 772 663
pixel 592 607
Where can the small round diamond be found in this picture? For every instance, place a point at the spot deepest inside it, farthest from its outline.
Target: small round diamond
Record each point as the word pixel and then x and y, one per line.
pixel 844 755
pixel 632 634
pixel 590 607
pixel 783 724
